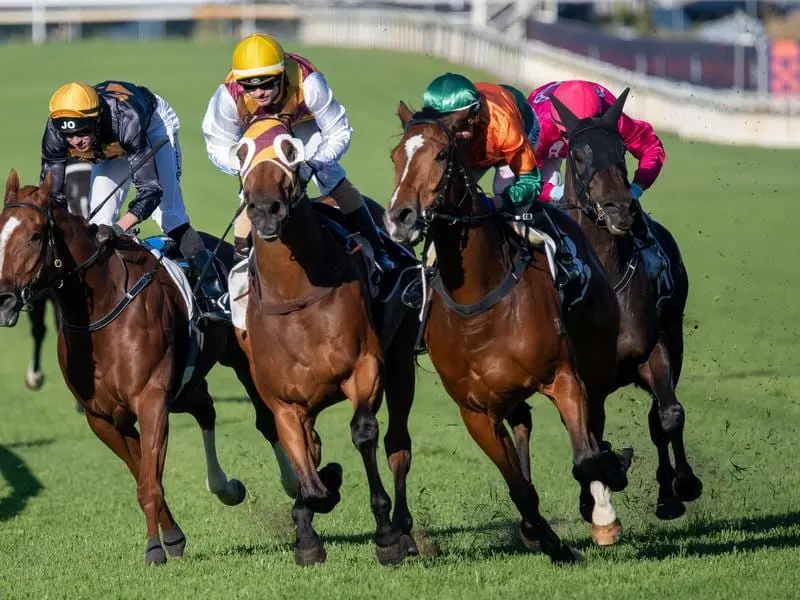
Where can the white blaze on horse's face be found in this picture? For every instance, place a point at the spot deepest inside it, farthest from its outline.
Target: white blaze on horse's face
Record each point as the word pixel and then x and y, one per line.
pixel 5 235
pixel 414 143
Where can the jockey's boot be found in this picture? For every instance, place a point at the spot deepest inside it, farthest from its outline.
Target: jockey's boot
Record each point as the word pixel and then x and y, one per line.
pixel 640 229
pixel 567 270
pixel 654 261
pixel 241 249
pixel 211 287
pixel 360 221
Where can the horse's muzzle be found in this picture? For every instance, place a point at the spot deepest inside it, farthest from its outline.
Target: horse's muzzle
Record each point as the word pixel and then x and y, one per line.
pixel 618 220
pixel 267 218
pixel 403 225
pixel 10 305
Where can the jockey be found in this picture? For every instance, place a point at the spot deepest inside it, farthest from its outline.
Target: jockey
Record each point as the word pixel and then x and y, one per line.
pixel 499 132
pixel 587 99
pixel 266 81
pixel 113 125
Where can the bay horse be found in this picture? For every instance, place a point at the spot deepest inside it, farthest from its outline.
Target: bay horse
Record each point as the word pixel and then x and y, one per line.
pixel 123 346
pixel 77 183
pixel 312 340
pixel 496 332
pixel 650 347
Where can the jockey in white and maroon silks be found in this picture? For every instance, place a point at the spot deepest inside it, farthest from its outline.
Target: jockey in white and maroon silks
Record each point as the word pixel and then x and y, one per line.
pixel 587 99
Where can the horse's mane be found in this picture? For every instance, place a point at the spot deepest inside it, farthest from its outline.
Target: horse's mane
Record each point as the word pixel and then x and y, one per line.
pixel 428 113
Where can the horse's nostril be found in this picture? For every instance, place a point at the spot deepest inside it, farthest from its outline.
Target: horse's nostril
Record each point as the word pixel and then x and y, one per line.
pixel 407 217
pixel 7 300
pixel 274 207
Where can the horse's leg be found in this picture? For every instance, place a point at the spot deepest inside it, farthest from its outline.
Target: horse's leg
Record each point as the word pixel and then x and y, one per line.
pixel 34 377
pixel 580 417
pixel 399 388
pixel 493 438
pixel 200 405
pixel 265 423
pixel 125 444
pixel 521 424
pixel 153 425
pixel 656 373
pixel 319 492
pixel 364 390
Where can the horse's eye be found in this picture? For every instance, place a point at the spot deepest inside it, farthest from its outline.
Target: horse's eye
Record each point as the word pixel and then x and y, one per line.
pixel 442 155
pixel 36 237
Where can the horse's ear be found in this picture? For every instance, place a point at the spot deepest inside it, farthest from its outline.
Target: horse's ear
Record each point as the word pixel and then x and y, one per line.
pixel 612 115
pixel 46 187
pixel 568 119
pixel 289 151
pixel 12 185
pixel 404 113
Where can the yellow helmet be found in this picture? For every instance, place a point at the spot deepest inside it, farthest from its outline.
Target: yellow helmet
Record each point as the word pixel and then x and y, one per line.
pixel 75 100
pixel 257 55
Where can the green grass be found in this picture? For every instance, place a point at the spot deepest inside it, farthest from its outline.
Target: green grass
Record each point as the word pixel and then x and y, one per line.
pixel 70 525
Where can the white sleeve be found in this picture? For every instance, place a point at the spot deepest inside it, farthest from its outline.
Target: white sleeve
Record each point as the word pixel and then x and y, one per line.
pixel 331 119
pixel 221 131
pixel 551 166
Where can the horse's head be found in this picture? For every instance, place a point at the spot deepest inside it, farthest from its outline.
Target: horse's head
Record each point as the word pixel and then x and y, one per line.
pixel 26 224
pixel 596 170
pixel 424 161
pixel 269 157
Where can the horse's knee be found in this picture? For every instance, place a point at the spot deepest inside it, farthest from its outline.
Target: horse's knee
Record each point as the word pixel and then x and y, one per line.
pixel 672 419
pixel 364 428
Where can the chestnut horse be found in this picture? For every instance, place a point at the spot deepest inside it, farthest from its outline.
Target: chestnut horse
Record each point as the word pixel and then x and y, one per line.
pixel 496 333
pixel 123 345
pixel 650 348
pixel 312 341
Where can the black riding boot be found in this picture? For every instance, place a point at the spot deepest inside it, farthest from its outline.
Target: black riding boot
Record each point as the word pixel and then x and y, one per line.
pixel 654 261
pixel 361 222
pixel 211 286
pixel 640 229
pixel 567 270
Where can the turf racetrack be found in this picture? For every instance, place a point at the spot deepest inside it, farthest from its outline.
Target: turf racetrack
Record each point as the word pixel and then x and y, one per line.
pixel 70 525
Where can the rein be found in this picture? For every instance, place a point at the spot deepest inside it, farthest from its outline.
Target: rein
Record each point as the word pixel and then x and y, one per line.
pixel 50 251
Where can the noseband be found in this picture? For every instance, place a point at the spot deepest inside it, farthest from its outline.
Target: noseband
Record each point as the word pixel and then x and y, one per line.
pixel 605 153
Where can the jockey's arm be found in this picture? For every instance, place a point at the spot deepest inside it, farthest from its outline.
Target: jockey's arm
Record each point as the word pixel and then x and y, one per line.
pixel 331 119
pixel 133 138
pixel 54 161
pixel 221 131
pixel 641 140
pixel 551 176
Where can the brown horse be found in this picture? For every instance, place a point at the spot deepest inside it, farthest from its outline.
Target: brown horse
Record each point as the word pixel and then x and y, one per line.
pixel 312 340
pixel 123 345
pixel 650 347
pixel 496 333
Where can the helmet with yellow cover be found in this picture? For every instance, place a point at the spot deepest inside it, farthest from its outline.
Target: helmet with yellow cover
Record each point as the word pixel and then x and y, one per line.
pixel 75 108
pixel 258 62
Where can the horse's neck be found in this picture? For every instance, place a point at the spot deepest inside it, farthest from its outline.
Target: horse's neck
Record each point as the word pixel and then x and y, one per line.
pixel 290 267
pixel 94 290
pixel 614 251
pixel 472 259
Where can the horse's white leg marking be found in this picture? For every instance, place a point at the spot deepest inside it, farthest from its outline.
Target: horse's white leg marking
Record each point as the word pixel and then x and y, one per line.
pixel 602 513
pixel 288 476
pixel 5 236
pixel 216 480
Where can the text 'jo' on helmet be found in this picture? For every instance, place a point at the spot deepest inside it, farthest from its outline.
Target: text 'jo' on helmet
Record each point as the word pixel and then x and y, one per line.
pixel 451 92
pixel 257 55
pixel 74 108
pixel 580 97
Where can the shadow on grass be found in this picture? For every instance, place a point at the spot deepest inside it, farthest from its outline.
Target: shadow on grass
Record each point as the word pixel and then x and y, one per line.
pixel 23 483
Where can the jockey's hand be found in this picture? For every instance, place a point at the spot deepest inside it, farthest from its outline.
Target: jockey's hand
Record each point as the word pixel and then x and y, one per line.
pixel 557 193
pixel 305 172
pixel 106 233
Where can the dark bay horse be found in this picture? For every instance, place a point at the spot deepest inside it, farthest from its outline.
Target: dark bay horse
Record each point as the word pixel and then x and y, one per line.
pixel 77 183
pixel 312 339
pixel 650 347
pixel 496 332
pixel 123 345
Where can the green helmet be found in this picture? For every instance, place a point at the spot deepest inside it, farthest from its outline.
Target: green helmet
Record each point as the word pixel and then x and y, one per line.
pixel 451 92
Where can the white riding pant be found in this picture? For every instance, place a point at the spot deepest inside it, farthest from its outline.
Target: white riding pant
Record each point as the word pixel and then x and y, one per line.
pixel 107 174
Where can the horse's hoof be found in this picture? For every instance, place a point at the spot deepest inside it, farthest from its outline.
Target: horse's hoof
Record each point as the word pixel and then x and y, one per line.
pixel 531 544
pixel 410 543
pixel 234 493
pixel 155 555
pixel 669 508
pixel 687 488
pixel 331 476
pixel 175 542
pixel 34 380
pixel 393 555
pixel 305 557
pixel 607 535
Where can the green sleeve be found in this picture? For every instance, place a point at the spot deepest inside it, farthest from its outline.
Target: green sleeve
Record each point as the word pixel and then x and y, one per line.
pixel 521 194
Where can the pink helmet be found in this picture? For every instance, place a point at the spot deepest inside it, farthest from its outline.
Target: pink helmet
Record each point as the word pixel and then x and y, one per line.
pixel 580 97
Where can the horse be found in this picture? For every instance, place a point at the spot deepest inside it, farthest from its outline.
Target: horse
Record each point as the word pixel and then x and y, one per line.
pixel 650 346
pixel 77 183
pixel 496 332
pixel 311 334
pixel 125 347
